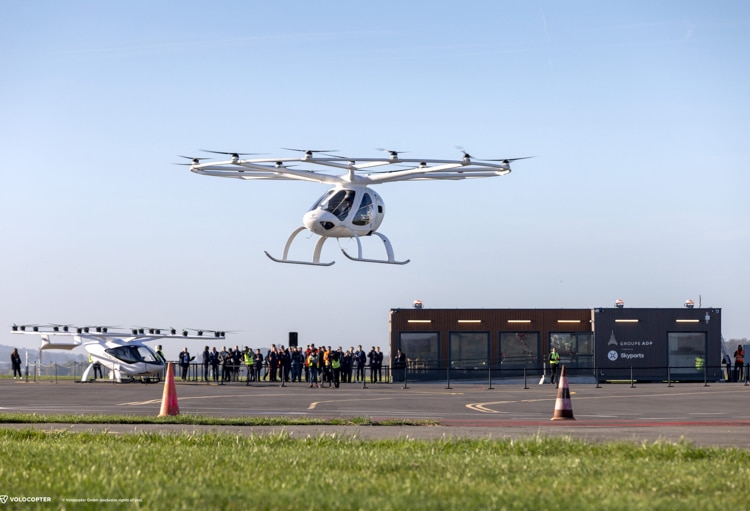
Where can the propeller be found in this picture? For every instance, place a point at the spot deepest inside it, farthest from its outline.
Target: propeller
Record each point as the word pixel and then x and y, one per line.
pixel 195 161
pixel 309 152
pixel 232 154
pixel 508 160
pixel 467 157
pixel 393 154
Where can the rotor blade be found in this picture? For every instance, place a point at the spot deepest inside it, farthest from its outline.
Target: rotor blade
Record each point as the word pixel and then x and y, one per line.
pixel 231 153
pixel 193 158
pixel 391 152
pixel 310 150
pixel 505 159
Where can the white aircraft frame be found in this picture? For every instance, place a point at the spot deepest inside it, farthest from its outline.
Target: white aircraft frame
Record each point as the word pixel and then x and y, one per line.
pixel 122 352
pixel 351 209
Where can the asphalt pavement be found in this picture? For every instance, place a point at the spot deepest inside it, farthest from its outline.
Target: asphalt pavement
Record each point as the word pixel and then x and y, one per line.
pixel 708 415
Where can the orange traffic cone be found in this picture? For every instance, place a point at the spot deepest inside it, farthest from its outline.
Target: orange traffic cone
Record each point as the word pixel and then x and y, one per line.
pixel 169 404
pixel 563 407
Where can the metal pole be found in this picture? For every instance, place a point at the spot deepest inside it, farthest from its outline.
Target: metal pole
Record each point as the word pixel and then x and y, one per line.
pixel 596 376
pixel 405 371
pixel 525 386
pixel 632 384
pixel 705 375
pixel 448 375
pixel 489 373
pixel 669 377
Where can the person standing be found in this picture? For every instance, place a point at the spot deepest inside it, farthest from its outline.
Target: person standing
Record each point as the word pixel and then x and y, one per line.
pixel 360 359
pixel 248 359
pixel 312 364
pixel 285 363
pixel 373 358
pixel 554 362
pixel 379 367
pixel 272 360
pixel 214 360
pixel 258 364
pixel 739 362
pixel 399 366
pixel 298 359
pixel 185 360
pixel 206 362
pixel 160 355
pixel 346 366
pixel 335 359
pixel 15 361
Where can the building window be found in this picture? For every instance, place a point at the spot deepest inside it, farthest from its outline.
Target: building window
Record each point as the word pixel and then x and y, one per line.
pixel 519 349
pixel 576 349
pixel 422 349
pixel 469 350
pixel 687 353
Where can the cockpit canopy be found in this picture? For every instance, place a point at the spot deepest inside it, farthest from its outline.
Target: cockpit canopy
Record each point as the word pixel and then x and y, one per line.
pixel 133 354
pixel 342 203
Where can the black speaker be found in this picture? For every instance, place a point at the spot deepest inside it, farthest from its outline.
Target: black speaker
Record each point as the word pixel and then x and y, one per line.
pixel 292 339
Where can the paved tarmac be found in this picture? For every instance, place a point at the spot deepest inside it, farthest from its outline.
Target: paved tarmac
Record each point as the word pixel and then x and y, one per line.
pixel 713 415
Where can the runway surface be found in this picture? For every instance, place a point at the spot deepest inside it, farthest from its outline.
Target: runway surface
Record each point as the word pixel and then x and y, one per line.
pixel 713 415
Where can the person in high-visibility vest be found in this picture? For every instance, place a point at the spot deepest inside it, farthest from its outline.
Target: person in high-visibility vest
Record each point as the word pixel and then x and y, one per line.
pixel 248 356
pixel 97 367
pixel 699 363
pixel 335 358
pixel 554 361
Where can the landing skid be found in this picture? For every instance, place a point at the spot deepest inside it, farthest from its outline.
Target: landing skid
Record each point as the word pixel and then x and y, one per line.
pixel 388 249
pixel 319 247
pixel 316 252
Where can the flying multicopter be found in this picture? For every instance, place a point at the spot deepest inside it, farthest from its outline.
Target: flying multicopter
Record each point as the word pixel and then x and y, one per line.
pixel 123 353
pixel 351 209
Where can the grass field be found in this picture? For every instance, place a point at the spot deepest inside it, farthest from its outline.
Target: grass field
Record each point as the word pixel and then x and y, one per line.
pixel 276 472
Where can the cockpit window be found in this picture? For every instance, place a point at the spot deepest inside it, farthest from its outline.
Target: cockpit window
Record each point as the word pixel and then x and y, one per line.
pixel 337 202
pixel 146 354
pixel 364 213
pixel 128 354
pixel 132 354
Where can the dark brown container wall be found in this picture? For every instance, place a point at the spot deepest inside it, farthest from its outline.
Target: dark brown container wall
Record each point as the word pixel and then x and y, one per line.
pixel 494 321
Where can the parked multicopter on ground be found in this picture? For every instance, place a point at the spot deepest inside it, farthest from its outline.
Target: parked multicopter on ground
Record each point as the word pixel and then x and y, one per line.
pixel 351 209
pixel 122 352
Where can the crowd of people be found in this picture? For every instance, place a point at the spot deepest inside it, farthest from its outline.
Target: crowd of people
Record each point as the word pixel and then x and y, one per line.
pixel 316 366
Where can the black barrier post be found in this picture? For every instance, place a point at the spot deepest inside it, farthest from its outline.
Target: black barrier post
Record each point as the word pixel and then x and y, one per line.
pixel 632 384
pixel 405 386
pixel 596 376
pixel 489 373
pixel 525 386
pixel 705 375
pixel 55 372
pixel 669 377
pixel 747 373
pixel 448 375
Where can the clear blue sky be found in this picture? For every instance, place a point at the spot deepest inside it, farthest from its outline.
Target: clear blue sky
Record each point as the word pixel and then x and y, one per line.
pixel 636 112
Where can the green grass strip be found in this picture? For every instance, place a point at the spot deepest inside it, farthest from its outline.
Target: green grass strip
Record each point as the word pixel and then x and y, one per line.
pixel 194 419
pixel 278 472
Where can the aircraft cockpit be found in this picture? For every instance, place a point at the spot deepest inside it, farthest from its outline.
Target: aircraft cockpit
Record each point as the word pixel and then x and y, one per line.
pixel 133 354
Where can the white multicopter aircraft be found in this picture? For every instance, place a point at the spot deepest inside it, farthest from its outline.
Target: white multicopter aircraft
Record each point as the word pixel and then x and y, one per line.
pixel 123 353
pixel 351 209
